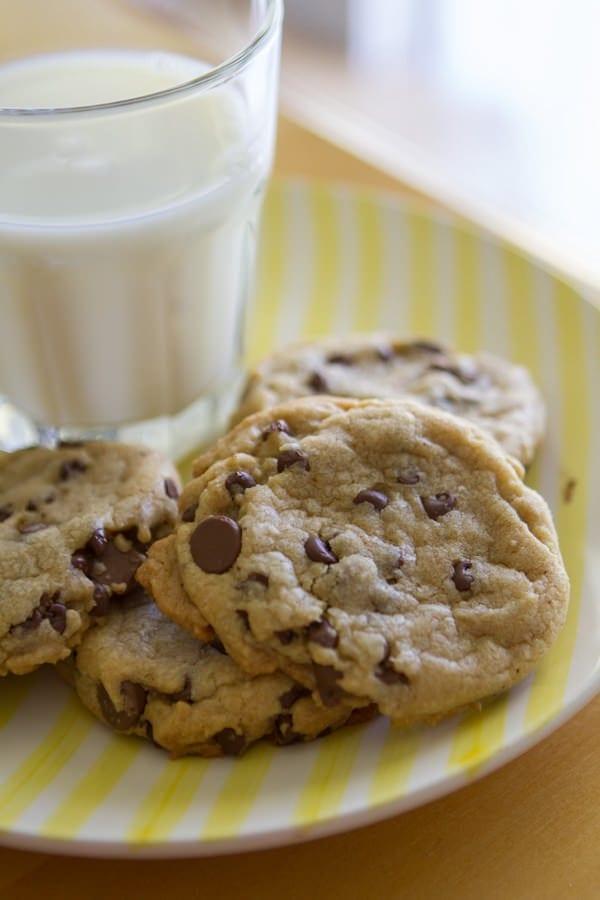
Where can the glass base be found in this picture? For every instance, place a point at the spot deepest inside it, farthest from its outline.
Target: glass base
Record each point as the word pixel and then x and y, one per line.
pixel 176 436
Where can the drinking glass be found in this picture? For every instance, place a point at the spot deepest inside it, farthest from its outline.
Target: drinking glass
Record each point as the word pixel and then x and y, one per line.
pixel 136 140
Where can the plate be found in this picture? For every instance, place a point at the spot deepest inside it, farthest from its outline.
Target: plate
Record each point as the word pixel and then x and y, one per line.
pixel 335 260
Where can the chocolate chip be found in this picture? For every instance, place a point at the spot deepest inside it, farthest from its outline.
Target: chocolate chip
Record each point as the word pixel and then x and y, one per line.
pixel 283 730
pixel 238 482
pixel 438 505
pixel 134 701
pixel 50 498
pixel 461 577
pixel 102 595
pixel 171 489
pixel 30 624
pixel 317 383
pixel 295 693
pixel 279 425
pixel 387 673
pixel 427 346
pixel 80 560
pixel 291 457
pixel 215 544
pixel 56 614
pixel 400 560
pixel 319 550
pixel 377 499
pixel 5 512
pixel 323 633
pixel 408 476
pixel 327 679
pixel 258 578
pixel 185 694
pixel 189 513
pixel 340 359
pixel 71 467
pixel 286 636
pixel 98 542
pixel 385 354
pixel 230 742
pixel 31 506
pixel 31 527
pixel 117 567
pixel 243 617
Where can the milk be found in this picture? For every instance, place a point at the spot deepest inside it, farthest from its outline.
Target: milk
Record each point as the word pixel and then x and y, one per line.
pixel 126 236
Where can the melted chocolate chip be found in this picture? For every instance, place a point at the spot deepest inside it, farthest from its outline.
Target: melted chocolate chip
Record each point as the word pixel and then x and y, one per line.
pixel 279 425
pixel 5 512
pixel 317 383
pixel 215 544
pixel 408 476
pixel 286 636
pixel 56 614
pixel 319 550
pixel 102 595
pixel 291 457
pixel 438 505
pixel 340 359
pixel 80 560
pixel 386 672
pixel 295 693
pixel 71 467
pixel 171 489
pixel 49 608
pixel 327 679
pixel 461 577
pixel 238 482
pixel 377 499
pixel 134 701
pixel 31 506
pixel 31 527
pixel 230 742
pixel 283 730
pixel 117 567
pixel 323 633
pixel 189 513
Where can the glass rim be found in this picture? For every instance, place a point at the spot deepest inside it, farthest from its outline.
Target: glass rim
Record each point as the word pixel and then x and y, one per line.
pixel 214 76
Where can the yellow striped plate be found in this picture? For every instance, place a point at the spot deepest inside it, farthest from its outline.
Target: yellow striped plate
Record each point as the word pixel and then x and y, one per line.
pixel 336 261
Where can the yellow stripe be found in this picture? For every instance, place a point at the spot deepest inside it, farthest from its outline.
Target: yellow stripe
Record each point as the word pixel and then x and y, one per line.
pixel 521 311
pixel 571 518
pixel 324 293
pixel 369 288
pixel 478 736
pixel 43 765
pixel 262 317
pixel 395 764
pixel 238 793
pixel 467 300
pixel 12 691
pixel 168 800
pixel 92 789
pixel 422 314
pixel 329 777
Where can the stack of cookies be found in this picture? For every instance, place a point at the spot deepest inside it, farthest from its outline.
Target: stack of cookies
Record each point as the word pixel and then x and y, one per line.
pixel 360 542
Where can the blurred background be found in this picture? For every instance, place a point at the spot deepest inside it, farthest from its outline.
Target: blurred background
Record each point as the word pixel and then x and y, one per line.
pixel 491 108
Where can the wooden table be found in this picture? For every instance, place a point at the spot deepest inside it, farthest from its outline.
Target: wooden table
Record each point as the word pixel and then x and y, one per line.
pixel 528 831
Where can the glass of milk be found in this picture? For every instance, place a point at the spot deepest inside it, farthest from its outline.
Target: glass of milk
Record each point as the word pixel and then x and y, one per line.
pixel 134 153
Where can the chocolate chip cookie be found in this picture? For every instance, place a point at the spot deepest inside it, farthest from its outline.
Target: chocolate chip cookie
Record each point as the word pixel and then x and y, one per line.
pixel 376 551
pixel 141 674
pixel 75 523
pixel 487 390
